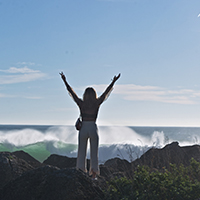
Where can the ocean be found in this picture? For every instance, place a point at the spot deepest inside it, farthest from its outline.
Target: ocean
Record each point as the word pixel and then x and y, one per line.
pixel 114 141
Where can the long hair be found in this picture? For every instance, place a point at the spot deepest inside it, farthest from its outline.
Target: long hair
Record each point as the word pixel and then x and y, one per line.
pixel 89 94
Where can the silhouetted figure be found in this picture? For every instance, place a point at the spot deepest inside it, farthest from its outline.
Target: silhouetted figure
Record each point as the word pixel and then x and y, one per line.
pixel 89 107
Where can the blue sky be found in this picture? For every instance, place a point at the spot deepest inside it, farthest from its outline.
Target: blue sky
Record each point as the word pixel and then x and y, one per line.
pixel 155 45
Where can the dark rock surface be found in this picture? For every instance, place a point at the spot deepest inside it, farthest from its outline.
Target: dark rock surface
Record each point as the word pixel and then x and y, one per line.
pixel 23 177
pixel 29 159
pixel 62 161
pixel 116 167
pixel 171 153
pixel 52 183
pixel 11 167
pixel 112 167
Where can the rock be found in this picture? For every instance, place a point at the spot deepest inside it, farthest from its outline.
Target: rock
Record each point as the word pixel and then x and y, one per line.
pixel 23 177
pixel 62 161
pixel 116 167
pixel 112 167
pixel 52 183
pixel 171 153
pixel 118 164
pixel 29 159
pixel 11 167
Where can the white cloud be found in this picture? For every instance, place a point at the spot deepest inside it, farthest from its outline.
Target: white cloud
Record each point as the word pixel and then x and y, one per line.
pixel 19 70
pixel 133 92
pixel 20 78
pixel 6 96
pixel 18 96
pixel 26 63
pixel 198 15
pixel 19 75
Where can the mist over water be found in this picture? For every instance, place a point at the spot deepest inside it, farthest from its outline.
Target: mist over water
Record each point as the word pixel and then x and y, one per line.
pixel 26 136
pixel 117 141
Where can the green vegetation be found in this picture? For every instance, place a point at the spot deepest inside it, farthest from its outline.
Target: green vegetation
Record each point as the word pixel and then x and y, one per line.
pixel 177 183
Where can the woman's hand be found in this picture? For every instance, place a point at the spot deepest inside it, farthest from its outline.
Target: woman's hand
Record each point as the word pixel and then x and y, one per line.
pixel 116 77
pixel 63 76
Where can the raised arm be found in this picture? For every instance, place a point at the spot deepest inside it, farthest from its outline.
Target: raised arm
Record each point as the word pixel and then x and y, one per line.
pixel 108 89
pixel 70 90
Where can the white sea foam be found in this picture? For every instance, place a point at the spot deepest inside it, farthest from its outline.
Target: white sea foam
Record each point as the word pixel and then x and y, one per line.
pixel 120 135
pixel 68 134
pixel 122 142
pixel 30 136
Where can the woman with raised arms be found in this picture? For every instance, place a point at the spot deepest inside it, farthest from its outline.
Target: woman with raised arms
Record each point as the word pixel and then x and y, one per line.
pixel 89 107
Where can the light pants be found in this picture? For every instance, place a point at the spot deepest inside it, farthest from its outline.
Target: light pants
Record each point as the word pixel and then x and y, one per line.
pixel 88 130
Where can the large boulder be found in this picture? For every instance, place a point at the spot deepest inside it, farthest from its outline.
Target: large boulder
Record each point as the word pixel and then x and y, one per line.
pixel 11 167
pixel 116 167
pixel 52 183
pixel 112 167
pixel 29 159
pixel 62 161
pixel 171 153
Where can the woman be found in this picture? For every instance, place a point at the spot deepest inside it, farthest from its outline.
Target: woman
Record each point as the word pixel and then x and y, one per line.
pixel 89 107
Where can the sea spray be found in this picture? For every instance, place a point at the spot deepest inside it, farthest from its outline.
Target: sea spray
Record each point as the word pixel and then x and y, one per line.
pixel 158 139
pixel 120 135
pixel 123 142
pixel 30 135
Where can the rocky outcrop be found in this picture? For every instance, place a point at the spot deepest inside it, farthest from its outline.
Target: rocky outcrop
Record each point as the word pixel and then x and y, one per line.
pixel 11 167
pixel 112 167
pixel 62 161
pixel 116 167
pixel 52 183
pixel 23 177
pixel 29 159
pixel 171 153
